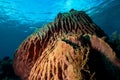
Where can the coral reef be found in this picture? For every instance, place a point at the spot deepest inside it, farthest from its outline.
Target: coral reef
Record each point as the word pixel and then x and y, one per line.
pixel 115 42
pixel 6 70
pixel 70 48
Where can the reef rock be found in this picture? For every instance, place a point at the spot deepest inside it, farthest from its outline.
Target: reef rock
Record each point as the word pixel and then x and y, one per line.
pixel 6 69
pixel 61 50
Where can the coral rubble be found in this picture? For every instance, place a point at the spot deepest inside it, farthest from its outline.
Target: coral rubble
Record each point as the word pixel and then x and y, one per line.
pixel 70 48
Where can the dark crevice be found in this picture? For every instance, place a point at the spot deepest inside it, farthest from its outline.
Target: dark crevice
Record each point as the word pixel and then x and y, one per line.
pixel 75 46
pixel 31 52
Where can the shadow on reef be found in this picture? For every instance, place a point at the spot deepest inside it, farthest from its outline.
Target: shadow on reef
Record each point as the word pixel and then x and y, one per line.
pixel 103 68
pixel 6 70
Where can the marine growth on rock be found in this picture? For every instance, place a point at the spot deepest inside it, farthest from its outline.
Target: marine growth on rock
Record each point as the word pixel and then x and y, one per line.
pixel 61 49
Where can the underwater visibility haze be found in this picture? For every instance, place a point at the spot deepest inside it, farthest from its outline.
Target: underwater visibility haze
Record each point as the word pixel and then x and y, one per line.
pixel 20 18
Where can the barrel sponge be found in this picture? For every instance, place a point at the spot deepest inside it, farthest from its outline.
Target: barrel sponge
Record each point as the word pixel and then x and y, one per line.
pixel 59 50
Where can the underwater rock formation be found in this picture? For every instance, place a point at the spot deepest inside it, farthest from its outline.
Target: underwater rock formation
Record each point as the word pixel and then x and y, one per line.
pixel 6 69
pixel 61 50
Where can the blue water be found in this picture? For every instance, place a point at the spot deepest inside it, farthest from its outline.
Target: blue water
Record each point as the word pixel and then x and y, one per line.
pixel 19 18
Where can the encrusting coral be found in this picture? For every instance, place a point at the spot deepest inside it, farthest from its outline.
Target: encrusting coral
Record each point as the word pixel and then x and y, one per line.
pixel 61 49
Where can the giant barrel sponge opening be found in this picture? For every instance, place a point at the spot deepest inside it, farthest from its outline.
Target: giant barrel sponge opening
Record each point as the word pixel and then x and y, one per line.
pixel 61 49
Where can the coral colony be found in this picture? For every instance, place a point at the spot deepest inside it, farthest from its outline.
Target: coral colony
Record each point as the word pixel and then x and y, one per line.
pixel 71 47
